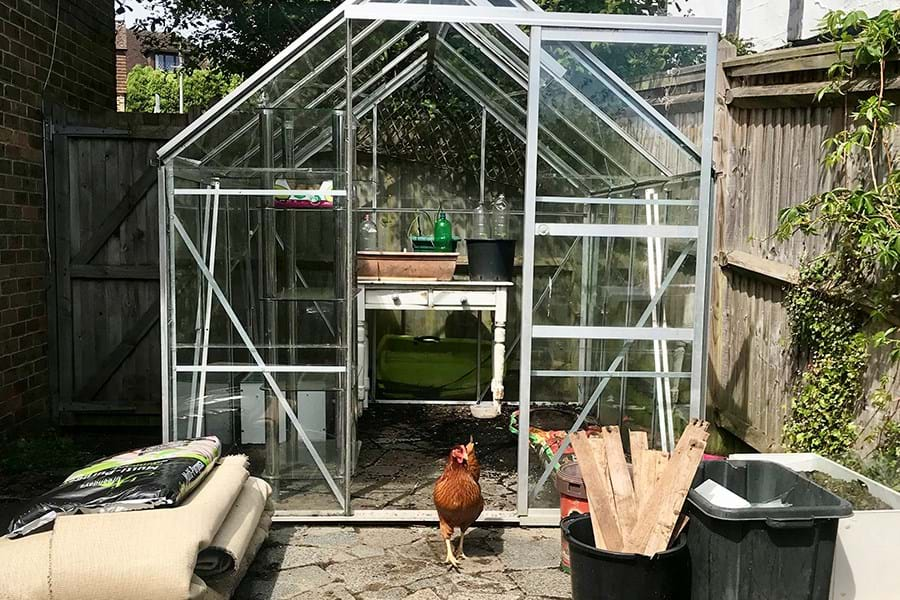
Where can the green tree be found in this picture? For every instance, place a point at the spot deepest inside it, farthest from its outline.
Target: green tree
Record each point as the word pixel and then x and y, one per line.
pixel 202 87
pixel 239 36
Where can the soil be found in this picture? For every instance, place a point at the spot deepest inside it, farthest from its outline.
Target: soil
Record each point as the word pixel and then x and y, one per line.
pixel 855 492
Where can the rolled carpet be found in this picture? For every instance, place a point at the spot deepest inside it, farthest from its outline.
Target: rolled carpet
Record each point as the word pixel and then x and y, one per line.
pixel 188 552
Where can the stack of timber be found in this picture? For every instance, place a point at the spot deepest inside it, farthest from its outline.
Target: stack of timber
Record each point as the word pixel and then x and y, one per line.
pixel 638 512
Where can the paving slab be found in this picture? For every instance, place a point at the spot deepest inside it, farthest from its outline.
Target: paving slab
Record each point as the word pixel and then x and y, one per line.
pixel 284 585
pixel 551 583
pixel 393 563
pixel 522 549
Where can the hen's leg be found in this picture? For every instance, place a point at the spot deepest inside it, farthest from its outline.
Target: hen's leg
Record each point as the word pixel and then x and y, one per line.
pixel 462 536
pixel 450 558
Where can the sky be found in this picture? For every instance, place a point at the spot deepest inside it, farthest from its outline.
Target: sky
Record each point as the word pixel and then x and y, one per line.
pixel 138 11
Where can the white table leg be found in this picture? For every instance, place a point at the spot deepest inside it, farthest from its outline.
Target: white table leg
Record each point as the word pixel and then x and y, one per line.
pixel 499 350
pixel 362 348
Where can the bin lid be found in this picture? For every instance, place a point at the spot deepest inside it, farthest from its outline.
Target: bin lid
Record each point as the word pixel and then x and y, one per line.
pixel 763 484
pixel 569 481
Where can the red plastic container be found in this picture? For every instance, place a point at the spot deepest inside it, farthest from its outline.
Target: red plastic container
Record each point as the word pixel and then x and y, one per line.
pixel 572 500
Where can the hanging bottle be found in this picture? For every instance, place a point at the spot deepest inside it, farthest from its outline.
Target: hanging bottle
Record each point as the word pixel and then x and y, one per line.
pixel 443 233
pixel 500 218
pixel 368 233
pixel 482 228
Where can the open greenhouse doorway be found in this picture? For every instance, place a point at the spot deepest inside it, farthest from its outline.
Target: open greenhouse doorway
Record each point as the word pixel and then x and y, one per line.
pixel 275 345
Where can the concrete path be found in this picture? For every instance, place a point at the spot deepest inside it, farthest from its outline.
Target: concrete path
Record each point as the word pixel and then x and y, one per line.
pixel 390 563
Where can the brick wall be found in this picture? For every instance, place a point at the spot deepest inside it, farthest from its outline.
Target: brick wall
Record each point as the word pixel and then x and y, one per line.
pixel 82 77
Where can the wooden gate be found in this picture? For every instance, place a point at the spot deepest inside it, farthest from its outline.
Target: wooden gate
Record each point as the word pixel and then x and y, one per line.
pixel 104 281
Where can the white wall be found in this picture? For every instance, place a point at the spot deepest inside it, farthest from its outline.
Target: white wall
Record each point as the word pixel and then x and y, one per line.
pixel 765 22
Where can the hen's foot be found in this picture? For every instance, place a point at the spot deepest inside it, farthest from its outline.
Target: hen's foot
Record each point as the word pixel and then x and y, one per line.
pixel 451 560
pixel 460 554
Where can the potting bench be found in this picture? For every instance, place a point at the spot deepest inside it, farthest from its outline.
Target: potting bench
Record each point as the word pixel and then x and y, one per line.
pixel 416 294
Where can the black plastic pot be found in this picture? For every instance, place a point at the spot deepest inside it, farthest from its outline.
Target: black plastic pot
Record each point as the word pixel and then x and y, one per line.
pixel 601 575
pixel 491 260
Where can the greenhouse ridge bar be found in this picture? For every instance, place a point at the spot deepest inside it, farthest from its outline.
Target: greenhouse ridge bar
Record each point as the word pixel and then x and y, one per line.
pixel 398 108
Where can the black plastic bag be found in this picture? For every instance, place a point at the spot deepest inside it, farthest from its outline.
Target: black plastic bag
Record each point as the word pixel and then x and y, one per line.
pixel 150 477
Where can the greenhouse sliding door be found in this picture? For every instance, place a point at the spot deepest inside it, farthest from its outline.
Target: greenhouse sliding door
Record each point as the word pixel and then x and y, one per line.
pixel 619 336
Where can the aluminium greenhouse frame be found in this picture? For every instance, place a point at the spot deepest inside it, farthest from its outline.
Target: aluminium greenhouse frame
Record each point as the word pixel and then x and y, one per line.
pixel 469 21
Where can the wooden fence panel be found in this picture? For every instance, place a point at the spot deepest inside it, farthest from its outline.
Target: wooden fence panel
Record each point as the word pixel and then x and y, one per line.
pixel 104 295
pixel 767 154
pixel 771 134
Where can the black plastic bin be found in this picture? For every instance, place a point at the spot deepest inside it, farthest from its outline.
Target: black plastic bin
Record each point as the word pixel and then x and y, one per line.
pixel 762 553
pixel 602 575
pixel 491 260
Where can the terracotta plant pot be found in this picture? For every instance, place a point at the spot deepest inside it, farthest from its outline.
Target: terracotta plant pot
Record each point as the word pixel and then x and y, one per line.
pixel 432 266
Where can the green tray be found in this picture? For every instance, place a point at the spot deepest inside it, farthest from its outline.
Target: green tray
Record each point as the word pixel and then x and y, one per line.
pixel 425 243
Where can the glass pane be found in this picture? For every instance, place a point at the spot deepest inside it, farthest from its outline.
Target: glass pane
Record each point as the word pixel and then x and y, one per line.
pixel 243 412
pixel 618 211
pixel 589 113
pixel 604 281
pixel 311 81
pixel 632 403
pixel 378 51
pixel 284 292
pixel 648 69
pixel 470 59
pixel 633 358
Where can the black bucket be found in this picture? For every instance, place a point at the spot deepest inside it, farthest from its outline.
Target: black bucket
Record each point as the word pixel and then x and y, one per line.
pixel 491 260
pixel 602 575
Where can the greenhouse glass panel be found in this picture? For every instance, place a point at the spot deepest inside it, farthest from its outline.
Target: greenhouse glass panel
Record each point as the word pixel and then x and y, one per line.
pixel 632 400
pixel 630 229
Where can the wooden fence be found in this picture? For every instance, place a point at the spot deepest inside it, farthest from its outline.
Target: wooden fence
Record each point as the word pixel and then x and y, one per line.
pixel 104 293
pixel 768 148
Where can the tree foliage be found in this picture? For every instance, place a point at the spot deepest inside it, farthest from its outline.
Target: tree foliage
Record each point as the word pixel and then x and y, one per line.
pixel 863 218
pixel 240 36
pixel 202 87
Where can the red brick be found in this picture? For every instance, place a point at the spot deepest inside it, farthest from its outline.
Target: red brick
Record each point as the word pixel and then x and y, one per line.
pixel 83 77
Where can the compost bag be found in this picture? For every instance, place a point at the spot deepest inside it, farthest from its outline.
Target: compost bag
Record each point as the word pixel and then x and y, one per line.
pixel 150 477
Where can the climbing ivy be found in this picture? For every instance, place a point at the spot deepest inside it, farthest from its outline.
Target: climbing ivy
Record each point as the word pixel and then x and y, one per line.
pixel 855 284
pixel 830 390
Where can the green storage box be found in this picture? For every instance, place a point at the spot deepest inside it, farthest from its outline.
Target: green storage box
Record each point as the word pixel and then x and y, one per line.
pixel 429 368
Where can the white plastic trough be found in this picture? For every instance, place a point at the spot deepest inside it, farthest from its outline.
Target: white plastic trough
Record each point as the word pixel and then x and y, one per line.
pixel 867 553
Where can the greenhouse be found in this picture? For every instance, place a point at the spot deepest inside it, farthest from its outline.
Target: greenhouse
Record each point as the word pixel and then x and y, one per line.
pixel 284 207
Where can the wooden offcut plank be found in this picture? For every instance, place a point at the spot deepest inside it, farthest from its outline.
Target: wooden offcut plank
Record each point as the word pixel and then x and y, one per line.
pixel 661 459
pixel 641 468
pixel 592 462
pixel 620 479
pixel 659 514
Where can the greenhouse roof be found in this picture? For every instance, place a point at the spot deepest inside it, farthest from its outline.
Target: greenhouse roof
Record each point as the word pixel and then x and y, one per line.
pixel 479 47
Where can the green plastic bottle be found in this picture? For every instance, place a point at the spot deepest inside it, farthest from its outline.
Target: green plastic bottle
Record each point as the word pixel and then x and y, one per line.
pixel 443 233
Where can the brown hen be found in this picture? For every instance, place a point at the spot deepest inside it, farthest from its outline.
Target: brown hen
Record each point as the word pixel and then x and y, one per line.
pixel 457 497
